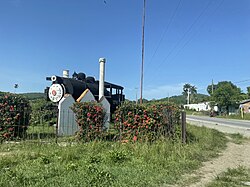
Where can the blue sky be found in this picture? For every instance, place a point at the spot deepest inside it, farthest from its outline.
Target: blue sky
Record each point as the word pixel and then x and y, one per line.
pixel 186 41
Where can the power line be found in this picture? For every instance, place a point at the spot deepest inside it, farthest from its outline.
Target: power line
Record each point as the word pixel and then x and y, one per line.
pixel 191 38
pixel 185 33
pixel 165 31
pixel 237 82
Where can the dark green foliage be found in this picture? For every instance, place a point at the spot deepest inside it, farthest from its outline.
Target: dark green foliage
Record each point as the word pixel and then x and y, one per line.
pixel 192 90
pixel 15 114
pixel 146 122
pixel 211 88
pixel 33 96
pixel 248 92
pixel 90 118
pixel 1 94
pixel 226 94
pixel 43 112
pixel 29 96
pixel 188 87
pixel 182 100
pixel 179 100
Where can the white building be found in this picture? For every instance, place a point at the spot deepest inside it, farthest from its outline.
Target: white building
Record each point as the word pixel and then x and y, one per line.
pixel 200 107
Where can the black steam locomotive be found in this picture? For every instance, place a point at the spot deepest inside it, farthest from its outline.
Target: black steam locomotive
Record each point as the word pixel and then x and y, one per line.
pixel 76 85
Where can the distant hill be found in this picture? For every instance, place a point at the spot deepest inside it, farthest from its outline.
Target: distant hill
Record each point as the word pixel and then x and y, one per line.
pixel 34 96
pixel 181 99
pixel 1 93
pixel 30 96
pixel 202 98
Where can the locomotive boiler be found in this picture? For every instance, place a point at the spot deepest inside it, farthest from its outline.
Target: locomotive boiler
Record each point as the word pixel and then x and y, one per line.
pixel 78 83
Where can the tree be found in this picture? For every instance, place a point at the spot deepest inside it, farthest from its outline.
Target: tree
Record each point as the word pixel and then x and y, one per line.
pixel 211 88
pixel 226 94
pixel 248 91
pixel 191 91
pixel 43 111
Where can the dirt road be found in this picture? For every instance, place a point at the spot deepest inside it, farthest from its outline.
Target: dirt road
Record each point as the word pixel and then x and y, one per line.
pixel 233 156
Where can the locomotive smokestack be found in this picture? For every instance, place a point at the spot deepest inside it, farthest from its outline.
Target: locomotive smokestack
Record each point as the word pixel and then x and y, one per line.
pixel 66 73
pixel 101 78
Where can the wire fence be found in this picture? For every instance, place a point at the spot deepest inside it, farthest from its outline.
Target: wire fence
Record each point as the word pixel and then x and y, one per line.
pixel 65 128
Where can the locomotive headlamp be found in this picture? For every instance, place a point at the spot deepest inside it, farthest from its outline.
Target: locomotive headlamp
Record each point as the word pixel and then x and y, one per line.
pixel 53 78
pixel 56 92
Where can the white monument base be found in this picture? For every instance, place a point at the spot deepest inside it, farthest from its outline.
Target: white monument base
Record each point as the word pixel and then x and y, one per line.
pixel 67 125
pixel 106 105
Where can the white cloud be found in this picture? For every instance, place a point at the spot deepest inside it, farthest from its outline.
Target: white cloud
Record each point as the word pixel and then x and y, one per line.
pixel 163 91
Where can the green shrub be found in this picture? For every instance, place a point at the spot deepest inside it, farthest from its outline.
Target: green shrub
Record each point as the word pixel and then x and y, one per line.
pixel 146 123
pixel 15 114
pixel 90 118
pixel 43 112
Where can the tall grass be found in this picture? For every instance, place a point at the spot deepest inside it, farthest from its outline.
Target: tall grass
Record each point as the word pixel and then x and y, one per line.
pixel 237 116
pixel 239 176
pixel 108 163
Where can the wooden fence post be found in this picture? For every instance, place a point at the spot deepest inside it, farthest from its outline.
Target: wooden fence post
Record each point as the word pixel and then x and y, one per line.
pixel 183 127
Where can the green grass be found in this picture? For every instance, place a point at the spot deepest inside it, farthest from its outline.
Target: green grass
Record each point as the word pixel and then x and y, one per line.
pixel 41 132
pixel 236 116
pixel 197 113
pixel 41 129
pixel 206 113
pixel 237 177
pixel 237 138
pixel 107 163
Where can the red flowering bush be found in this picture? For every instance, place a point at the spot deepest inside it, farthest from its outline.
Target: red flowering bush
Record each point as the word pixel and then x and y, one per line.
pixel 90 118
pixel 14 116
pixel 168 115
pixel 145 123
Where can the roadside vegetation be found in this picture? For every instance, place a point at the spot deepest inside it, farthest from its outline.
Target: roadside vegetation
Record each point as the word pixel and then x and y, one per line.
pixel 197 113
pixel 100 163
pixel 139 156
pixel 236 116
pixel 236 177
pixel 34 95
pixel 146 150
pixel 237 138
pixel 207 113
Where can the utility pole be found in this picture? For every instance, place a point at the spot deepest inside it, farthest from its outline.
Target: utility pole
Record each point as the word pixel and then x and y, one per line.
pixel 212 86
pixel 188 96
pixel 142 63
